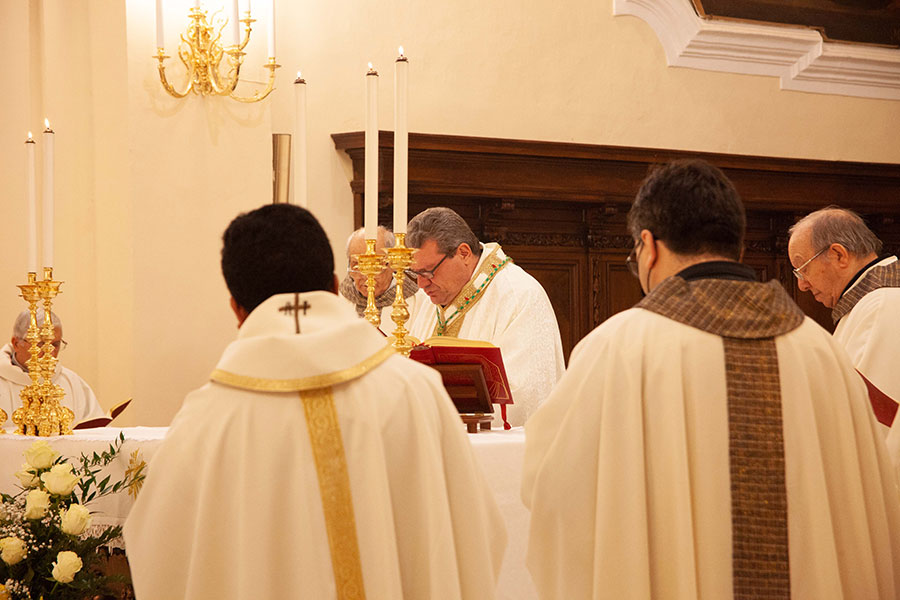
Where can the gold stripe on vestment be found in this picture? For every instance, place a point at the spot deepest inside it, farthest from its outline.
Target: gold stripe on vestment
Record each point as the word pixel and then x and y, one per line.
pixel 259 384
pixel 334 488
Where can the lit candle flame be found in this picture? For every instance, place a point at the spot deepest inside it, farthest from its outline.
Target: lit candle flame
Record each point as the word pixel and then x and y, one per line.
pixel 299 76
pixel 47 123
pixel 401 50
pixel 370 66
pixel 30 137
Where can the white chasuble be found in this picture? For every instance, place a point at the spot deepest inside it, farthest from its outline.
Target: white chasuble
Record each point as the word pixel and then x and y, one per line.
pixel 628 474
pixel 79 395
pixel 503 305
pixel 870 333
pixel 320 465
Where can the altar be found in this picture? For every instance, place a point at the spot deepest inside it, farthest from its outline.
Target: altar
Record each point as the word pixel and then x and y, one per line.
pixel 501 454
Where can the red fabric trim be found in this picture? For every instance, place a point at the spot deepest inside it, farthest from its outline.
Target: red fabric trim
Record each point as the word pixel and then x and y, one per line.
pixel 884 407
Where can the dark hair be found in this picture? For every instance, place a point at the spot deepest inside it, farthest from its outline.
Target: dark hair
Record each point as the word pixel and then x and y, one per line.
pixel 275 249
pixel 692 207
pixel 445 227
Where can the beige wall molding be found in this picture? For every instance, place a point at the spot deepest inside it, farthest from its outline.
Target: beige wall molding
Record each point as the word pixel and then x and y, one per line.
pixel 798 56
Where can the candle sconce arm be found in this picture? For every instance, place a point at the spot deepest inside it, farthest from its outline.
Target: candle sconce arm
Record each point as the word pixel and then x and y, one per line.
pixel 161 57
pixel 270 85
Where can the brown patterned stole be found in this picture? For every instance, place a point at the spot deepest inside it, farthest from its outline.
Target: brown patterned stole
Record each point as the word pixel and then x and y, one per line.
pixel 878 277
pixel 748 316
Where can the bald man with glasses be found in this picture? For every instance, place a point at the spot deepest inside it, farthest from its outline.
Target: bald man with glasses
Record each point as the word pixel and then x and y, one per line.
pixel 14 373
pixel 839 260
pixel 474 291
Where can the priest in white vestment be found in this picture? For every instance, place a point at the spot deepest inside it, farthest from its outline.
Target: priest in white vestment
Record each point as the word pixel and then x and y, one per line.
pixel 474 291
pixel 712 442
pixel 353 286
pixel 838 259
pixel 316 463
pixel 14 373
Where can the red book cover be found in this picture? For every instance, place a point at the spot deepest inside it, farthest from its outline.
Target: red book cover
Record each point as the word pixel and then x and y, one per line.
pixel 114 412
pixel 443 350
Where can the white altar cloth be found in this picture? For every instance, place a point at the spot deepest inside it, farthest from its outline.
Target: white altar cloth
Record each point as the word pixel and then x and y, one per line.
pixel 501 454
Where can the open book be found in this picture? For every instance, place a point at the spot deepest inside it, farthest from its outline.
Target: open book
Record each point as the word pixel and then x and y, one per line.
pixel 114 412
pixel 472 372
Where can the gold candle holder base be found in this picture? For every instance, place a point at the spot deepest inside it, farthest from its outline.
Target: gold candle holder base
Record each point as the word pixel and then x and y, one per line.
pixel 41 412
pixel 399 258
pixel 371 264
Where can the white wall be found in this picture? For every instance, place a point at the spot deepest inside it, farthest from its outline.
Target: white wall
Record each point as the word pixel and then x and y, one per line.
pixel 147 183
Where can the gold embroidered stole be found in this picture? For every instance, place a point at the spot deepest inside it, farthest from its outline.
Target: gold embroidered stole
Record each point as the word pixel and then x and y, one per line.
pixel 878 277
pixel 334 488
pixel 331 461
pixel 748 316
pixel 469 295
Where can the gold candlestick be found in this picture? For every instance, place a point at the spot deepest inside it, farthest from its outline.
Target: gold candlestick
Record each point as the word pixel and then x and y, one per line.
pixel 25 417
pixel 41 412
pixel 371 264
pixel 399 259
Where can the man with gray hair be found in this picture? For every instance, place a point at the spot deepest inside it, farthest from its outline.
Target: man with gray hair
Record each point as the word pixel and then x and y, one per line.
pixel 353 286
pixel 14 373
pixel 477 293
pixel 838 259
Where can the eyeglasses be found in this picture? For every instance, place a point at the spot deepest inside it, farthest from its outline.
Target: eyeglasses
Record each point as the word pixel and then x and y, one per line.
pixel 631 261
pixel 797 271
pixel 429 274
pixel 58 344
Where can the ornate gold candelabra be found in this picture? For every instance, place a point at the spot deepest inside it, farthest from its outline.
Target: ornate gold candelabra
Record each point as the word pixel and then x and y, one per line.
pixel 202 52
pixel 371 264
pixel 41 412
pixel 399 259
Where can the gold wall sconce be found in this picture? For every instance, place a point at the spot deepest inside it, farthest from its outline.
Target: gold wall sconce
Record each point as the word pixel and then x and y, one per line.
pixel 213 68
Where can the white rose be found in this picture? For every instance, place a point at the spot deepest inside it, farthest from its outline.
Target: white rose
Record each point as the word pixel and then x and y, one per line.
pixel 12 550
pixel 60 481
pixel 40 455
pixel 27 477
pixel 75 520
pixel 36 504
pixel 67 564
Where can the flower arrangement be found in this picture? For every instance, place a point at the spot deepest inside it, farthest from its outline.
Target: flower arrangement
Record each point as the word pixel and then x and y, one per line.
pixel 47 546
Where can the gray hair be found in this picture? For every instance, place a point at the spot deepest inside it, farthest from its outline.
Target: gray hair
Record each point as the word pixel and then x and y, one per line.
pixel 20 328
pixel 388 237
pixel 835 225
pixel 445 227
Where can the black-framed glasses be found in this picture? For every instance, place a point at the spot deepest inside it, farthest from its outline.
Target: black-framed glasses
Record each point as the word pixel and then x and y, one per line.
pixel 631 260
pixel 428 274
pixel 797 272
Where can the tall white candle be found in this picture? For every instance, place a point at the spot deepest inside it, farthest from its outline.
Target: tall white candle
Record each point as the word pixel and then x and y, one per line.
pixel 235 23
pixel 401 142
pixel 371 207
pixel 31 198
pixel 47 194
pixel 300 175
pixel 197 4
pixel 160 39
pixel 272 29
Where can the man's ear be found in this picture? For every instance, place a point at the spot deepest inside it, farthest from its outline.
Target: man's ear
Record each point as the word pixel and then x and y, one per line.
pixel 239 311
pixel 652 252
pixel 840 254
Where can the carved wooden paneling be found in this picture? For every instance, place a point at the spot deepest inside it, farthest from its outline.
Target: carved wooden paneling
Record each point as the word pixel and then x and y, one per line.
pixel 560 209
